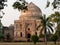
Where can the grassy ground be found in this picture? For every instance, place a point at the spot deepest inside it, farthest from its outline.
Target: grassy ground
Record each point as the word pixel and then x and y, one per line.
pixel 26 43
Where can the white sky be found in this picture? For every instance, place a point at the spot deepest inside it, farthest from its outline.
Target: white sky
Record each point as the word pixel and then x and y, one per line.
pixel 13 14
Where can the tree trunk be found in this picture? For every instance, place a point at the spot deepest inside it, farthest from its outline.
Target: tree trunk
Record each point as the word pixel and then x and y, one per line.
pixel 45 36
pixel 55 42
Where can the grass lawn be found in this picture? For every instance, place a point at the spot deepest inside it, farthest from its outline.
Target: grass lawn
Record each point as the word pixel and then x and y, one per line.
pixel 26 43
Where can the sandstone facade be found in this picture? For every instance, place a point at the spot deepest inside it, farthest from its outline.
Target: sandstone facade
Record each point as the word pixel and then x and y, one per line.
pixel 27 23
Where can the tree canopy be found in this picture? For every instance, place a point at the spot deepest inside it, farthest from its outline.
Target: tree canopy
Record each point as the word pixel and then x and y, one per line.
pixel 20 5
pixel 55 4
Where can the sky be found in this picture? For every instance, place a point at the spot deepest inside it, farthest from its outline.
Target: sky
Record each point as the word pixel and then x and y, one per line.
pixel 13 14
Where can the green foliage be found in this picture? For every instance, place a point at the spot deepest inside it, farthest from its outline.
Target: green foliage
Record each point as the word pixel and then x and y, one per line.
pixel 34 38
pixel 54 37
pixel 20 5
pixel 46 25
pixel 55 17
pixel 54 4
pixel 48 3
pixel 58 33
pixel 58 27
pixel 1 36
pixel 1 25
pixel 16 5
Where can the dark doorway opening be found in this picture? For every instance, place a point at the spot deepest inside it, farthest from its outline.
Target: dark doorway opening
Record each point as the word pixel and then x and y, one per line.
pixel 28 37
pixel 8 37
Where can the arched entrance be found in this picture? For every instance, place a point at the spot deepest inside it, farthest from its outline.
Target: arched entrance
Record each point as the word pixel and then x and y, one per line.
pixel 28 37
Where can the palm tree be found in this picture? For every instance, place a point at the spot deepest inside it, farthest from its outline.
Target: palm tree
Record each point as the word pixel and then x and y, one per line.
pixel 20 5
pixel 46 25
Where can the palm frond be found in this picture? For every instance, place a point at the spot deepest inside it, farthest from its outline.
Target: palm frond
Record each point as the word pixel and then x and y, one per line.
pixel 51 24
pixel 43 20
pixel 49 32
pixel 44 16
pixel 50 28
pixel 47 19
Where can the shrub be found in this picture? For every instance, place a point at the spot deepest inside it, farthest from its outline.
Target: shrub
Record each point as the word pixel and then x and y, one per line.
pixel 1 36
pixel 54 38
pixel 34 38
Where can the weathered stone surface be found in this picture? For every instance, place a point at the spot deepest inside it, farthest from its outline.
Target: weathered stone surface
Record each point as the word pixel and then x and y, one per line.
pixel 27 23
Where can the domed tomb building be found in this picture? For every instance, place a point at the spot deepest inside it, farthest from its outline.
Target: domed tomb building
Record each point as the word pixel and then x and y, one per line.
pixel 27 23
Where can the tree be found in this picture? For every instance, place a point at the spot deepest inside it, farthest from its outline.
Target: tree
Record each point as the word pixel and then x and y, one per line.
pixel 20 5
pixel 56 18
pixel 2 4
pixel 1 36
pixel 55 4
pixel 58 35
pixel 46 25
pixel 34 38
pixel 54 38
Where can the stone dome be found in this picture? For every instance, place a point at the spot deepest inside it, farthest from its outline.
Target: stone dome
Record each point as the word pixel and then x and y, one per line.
pixel 33 11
